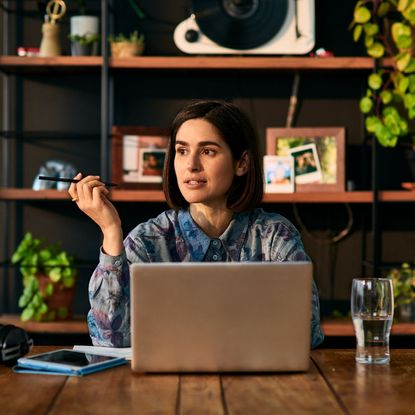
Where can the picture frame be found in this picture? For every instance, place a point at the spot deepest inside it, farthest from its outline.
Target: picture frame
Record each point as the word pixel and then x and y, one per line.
pixel 324 147
pixel 138 155
pixel 279 174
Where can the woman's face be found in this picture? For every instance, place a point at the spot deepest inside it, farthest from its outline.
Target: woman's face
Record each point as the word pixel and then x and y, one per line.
pixel 203 163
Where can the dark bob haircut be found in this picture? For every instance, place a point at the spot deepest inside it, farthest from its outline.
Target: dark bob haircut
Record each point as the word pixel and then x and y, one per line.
pixel 236 130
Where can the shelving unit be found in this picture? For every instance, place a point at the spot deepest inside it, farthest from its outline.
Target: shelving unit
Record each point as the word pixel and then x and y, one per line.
pixel 158 196
pixel 106 69
pixel 11 64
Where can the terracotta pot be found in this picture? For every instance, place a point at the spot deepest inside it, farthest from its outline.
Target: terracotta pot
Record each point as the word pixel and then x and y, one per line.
pixel 126 49
pixel 61 297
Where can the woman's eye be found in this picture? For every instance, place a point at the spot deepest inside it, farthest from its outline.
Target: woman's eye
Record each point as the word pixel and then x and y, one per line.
pixel 181 151
pixel 208 151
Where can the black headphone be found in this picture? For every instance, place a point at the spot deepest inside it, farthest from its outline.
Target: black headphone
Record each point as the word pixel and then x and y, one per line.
pixel 14 343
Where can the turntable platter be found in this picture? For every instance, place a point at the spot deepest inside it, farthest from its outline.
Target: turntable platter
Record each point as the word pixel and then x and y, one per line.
pixel 240 24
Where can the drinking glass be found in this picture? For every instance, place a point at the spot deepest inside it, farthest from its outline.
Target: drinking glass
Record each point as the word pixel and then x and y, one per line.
pixel 372 313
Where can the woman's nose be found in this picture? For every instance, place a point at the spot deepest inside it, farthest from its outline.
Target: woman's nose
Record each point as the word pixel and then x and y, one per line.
pixel 193 163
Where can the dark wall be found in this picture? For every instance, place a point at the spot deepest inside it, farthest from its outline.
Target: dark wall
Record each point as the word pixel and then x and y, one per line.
pixel 70 104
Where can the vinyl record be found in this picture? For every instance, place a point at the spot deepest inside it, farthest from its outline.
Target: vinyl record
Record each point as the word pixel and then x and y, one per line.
pixel 240 24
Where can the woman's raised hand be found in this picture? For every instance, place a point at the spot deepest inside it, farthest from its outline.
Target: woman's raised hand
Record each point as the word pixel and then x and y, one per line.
pixel 90 194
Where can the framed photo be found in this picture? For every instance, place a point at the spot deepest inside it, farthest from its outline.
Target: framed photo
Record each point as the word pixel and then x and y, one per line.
pixel 306 164
pixel 138 155
pixel 318 154
pixel 279 174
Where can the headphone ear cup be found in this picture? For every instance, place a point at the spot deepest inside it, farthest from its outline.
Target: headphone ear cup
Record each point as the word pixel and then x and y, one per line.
pixel 4 331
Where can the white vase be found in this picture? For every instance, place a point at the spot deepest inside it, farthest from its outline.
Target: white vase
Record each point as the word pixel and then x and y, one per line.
pixel 84 25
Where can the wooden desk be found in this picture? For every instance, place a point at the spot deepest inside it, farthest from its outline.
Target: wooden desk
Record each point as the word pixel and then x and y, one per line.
pixel 333 385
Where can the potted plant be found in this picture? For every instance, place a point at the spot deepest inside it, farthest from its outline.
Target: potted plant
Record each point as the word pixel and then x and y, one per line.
pixel 123 47
pixel 403 280
pixel 49 278
pixel 86 45
pixel 84 31
pixel 387 30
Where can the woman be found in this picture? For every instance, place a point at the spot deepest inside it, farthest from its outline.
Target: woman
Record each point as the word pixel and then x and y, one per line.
pixel 213 183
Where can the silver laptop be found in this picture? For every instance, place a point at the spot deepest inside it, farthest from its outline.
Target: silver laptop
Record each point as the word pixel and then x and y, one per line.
pixel 220 317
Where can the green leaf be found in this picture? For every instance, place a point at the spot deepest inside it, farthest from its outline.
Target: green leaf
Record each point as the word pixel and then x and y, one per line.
pixel 386 97
pixel 366 105
pixel 403 4
pixel 403 125
pixel 362 15
pixel 383 135
pixel 357 31
pixel 55 274
pixel 371 29
pixel 49 289
pixel 409 101
pixel 411 66
pixel 411 113
pixel 69 282
pixel 369 40
pixel 411 83
pixel 403 61
pixel 63 312
pixel 404 42
pixel 399 29
pixel 27 314
pixel 392 123
pixel 377 50
pixel 371 123
pixel 375 81
pixel 403 84
pixel 383 9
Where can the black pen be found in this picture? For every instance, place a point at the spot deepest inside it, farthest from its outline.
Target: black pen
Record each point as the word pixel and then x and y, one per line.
pixel 66 180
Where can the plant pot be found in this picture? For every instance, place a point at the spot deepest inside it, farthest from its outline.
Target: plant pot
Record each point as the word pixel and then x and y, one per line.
pixel 126 49
pixel 60 300
pixel 84 25
pixel 77 49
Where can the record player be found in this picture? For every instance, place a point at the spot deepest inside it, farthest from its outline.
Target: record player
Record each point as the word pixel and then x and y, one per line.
pixel 247 27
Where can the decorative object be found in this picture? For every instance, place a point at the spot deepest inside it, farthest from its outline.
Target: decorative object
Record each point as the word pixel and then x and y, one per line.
pixel 54 168
pixel 84 33
pixel 125 47
pixel 279 174
pixel 138 156
pixel 50 45
pixel 318 154
pixel 387 30
pixel 403 280
pixel 49 278
pixel 86 45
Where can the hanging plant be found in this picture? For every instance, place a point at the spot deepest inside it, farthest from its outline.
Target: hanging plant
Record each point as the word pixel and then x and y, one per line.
pixel 386 27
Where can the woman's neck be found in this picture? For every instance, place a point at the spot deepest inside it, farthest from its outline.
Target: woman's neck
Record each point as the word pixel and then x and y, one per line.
pixel 213 221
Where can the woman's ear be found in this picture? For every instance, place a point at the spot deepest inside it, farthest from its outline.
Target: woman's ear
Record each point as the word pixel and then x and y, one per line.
pixel 242 164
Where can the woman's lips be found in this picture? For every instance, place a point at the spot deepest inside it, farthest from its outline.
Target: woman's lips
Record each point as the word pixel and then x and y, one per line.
pixel 194 184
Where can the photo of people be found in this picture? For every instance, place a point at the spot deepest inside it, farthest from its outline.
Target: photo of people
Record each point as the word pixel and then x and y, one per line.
pixel 132 157
pixel 279 174
pixel 306 164
pixel 151 165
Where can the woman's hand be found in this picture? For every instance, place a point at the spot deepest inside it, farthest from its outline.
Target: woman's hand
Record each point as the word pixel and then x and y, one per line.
pixel 91 197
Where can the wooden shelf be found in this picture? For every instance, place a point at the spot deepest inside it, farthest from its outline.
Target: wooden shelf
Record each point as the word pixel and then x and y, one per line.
pixel 12 64
pixel 345 328
pixel 76 326
pixel 158 196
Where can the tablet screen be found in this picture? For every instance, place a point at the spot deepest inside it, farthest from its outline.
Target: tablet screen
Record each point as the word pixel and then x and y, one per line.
pixel 73 358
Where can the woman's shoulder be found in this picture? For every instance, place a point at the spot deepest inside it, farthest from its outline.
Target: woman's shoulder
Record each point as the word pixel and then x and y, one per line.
pixel 260 218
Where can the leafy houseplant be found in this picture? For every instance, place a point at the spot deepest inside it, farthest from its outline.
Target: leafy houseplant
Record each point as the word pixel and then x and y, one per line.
pixel 84 33
pixel 49 278
pixel 85 45
pixel 122 46
pixel 403 280
pixel 387 29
